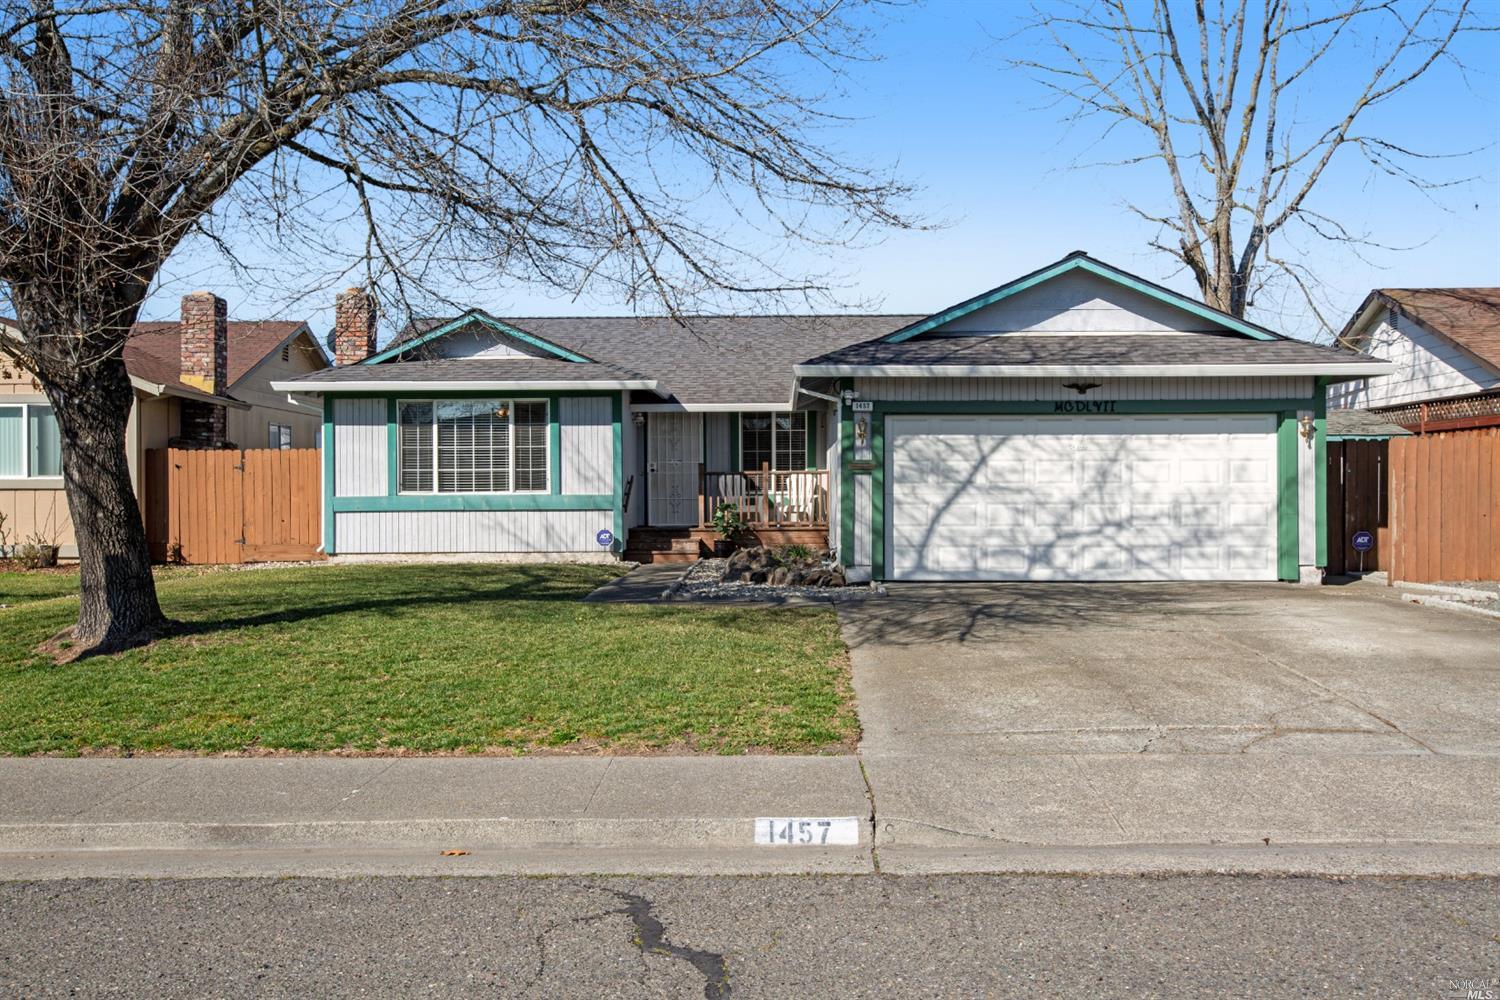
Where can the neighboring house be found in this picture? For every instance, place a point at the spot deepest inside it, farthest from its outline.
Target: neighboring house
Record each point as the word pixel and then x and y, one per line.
pixel 1445 344
pixel 201 382
pixel 1078 423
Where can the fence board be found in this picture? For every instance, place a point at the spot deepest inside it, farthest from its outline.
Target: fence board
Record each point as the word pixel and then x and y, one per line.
pixel 233 506
pixel 1445 496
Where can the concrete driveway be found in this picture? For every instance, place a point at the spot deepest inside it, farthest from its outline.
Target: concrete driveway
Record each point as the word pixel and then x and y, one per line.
pixel 1180 713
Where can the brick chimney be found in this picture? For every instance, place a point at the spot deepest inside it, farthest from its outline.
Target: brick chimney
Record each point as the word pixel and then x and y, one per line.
pixel 204 334
pixel 205 342
pixel 353 326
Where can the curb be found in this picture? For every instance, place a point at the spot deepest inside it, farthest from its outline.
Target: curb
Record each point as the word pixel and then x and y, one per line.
pixel 736 833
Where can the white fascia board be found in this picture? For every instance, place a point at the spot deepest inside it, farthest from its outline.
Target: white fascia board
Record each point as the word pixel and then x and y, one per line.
pixel 712 407
pixel 149 388
pixel 1353 369
pixel 454 385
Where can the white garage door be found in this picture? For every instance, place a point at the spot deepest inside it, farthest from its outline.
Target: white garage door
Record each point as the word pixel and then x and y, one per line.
pixel 1081 498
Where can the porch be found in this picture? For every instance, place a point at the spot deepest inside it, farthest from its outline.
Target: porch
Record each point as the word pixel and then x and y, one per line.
pixel 765 466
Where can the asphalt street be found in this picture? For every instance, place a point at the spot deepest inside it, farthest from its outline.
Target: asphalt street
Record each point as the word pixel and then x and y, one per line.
pixel 777 937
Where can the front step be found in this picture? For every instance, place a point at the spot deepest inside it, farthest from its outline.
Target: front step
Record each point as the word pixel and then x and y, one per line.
pixel 661 545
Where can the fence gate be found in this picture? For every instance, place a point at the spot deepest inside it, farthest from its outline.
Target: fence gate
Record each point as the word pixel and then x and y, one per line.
pixel 1358 500
pixel 1445 506
pixel 233 506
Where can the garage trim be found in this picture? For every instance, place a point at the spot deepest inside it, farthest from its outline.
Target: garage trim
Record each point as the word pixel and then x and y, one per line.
pixel 1285 410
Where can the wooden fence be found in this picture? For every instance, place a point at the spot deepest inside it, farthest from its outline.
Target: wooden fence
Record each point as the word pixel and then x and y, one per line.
pixel 1358 500
pixel 233 506
pixel 1445 506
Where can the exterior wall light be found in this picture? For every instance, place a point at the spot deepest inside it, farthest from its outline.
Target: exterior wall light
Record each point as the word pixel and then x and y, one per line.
pixel 1307 426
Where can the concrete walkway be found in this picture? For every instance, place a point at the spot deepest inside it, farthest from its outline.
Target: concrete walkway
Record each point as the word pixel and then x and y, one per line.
pixel 646 584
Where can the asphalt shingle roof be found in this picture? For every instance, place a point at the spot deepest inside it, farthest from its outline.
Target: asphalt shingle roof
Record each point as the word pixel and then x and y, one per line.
pixel 154 350
pixel 1362 423
pixel 716 359
pixel 1469 317
pixel 476 370
pixel 1024 349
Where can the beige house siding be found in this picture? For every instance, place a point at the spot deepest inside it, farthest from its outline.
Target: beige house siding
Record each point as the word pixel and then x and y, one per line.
pixel 33 508
pixel 39 507
pixel 251 428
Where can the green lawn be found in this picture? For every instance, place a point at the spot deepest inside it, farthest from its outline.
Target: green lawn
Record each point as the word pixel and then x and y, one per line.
pixel 22 587
pixel 425 658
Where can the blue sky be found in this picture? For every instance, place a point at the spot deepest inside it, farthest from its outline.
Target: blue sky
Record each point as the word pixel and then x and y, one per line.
pixel 1000 172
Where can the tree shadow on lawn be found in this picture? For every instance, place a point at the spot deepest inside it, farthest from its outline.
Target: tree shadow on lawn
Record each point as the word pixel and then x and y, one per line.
pixel 434 587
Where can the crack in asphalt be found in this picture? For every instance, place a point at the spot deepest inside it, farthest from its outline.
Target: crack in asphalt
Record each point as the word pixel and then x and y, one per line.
pixel 651 938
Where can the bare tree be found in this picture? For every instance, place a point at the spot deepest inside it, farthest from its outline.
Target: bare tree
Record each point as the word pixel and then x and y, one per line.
pixel 571 142
pixel 1221 92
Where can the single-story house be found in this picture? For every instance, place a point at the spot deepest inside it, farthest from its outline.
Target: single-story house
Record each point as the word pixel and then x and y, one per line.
pixel 203 381
pixel 1445 344
pixel 1076 423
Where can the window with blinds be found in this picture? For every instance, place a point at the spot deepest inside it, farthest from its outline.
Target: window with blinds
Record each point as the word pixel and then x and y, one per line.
pixel 472 446
pixel 776 440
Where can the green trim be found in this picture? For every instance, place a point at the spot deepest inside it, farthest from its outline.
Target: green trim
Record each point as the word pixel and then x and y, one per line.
pixel 474 501
pixel 734 442
pixel 846 481
pixel 617 409
pixel 877 498
pixel 554 447
pixel 1076 263
pixel 328 532
pixel 1287 549
pixel 812 439
pixel 392 439
pixel 476 316
pixel 1320 477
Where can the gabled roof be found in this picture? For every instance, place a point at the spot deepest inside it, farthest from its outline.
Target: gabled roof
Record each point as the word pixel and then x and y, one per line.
pixel 154 350
pixel 707 362
pixel 1467 317
pixel 1079 260
pixel 412 338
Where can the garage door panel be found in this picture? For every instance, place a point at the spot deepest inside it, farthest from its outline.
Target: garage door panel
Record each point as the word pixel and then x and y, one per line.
pixel 1039 498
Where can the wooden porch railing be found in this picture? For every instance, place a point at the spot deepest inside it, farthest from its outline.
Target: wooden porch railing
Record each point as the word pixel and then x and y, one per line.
pixel 767 498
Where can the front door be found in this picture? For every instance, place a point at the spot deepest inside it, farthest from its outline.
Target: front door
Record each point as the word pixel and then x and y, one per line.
pixel 674 448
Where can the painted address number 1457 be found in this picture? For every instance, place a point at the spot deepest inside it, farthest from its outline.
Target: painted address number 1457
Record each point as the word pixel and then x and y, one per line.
pixel 816 831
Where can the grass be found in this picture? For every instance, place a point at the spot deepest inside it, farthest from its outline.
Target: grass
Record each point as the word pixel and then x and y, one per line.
pixel 425 658
pixel 23 587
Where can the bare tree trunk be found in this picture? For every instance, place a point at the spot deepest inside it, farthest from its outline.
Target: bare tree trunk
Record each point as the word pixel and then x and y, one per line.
pixel 118 607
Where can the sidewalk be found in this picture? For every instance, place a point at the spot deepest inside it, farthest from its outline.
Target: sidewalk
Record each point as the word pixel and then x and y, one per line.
pixel 1061 813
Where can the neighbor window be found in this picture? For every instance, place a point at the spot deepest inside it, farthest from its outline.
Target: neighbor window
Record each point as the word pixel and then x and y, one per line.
pixel 279 436
pixel 776 440
pixel 29 442
pixel 472 446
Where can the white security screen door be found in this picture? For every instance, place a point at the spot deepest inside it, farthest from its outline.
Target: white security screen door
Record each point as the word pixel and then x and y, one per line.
pixel 674 448
pixel 1082 498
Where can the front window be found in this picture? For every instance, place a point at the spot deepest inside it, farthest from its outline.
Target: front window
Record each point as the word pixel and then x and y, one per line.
pixel 472 446
pixel 777 441
pixel 279 436
pixel 30 446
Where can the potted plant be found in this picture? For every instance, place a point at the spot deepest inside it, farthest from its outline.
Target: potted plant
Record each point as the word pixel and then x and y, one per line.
pixel 729 522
